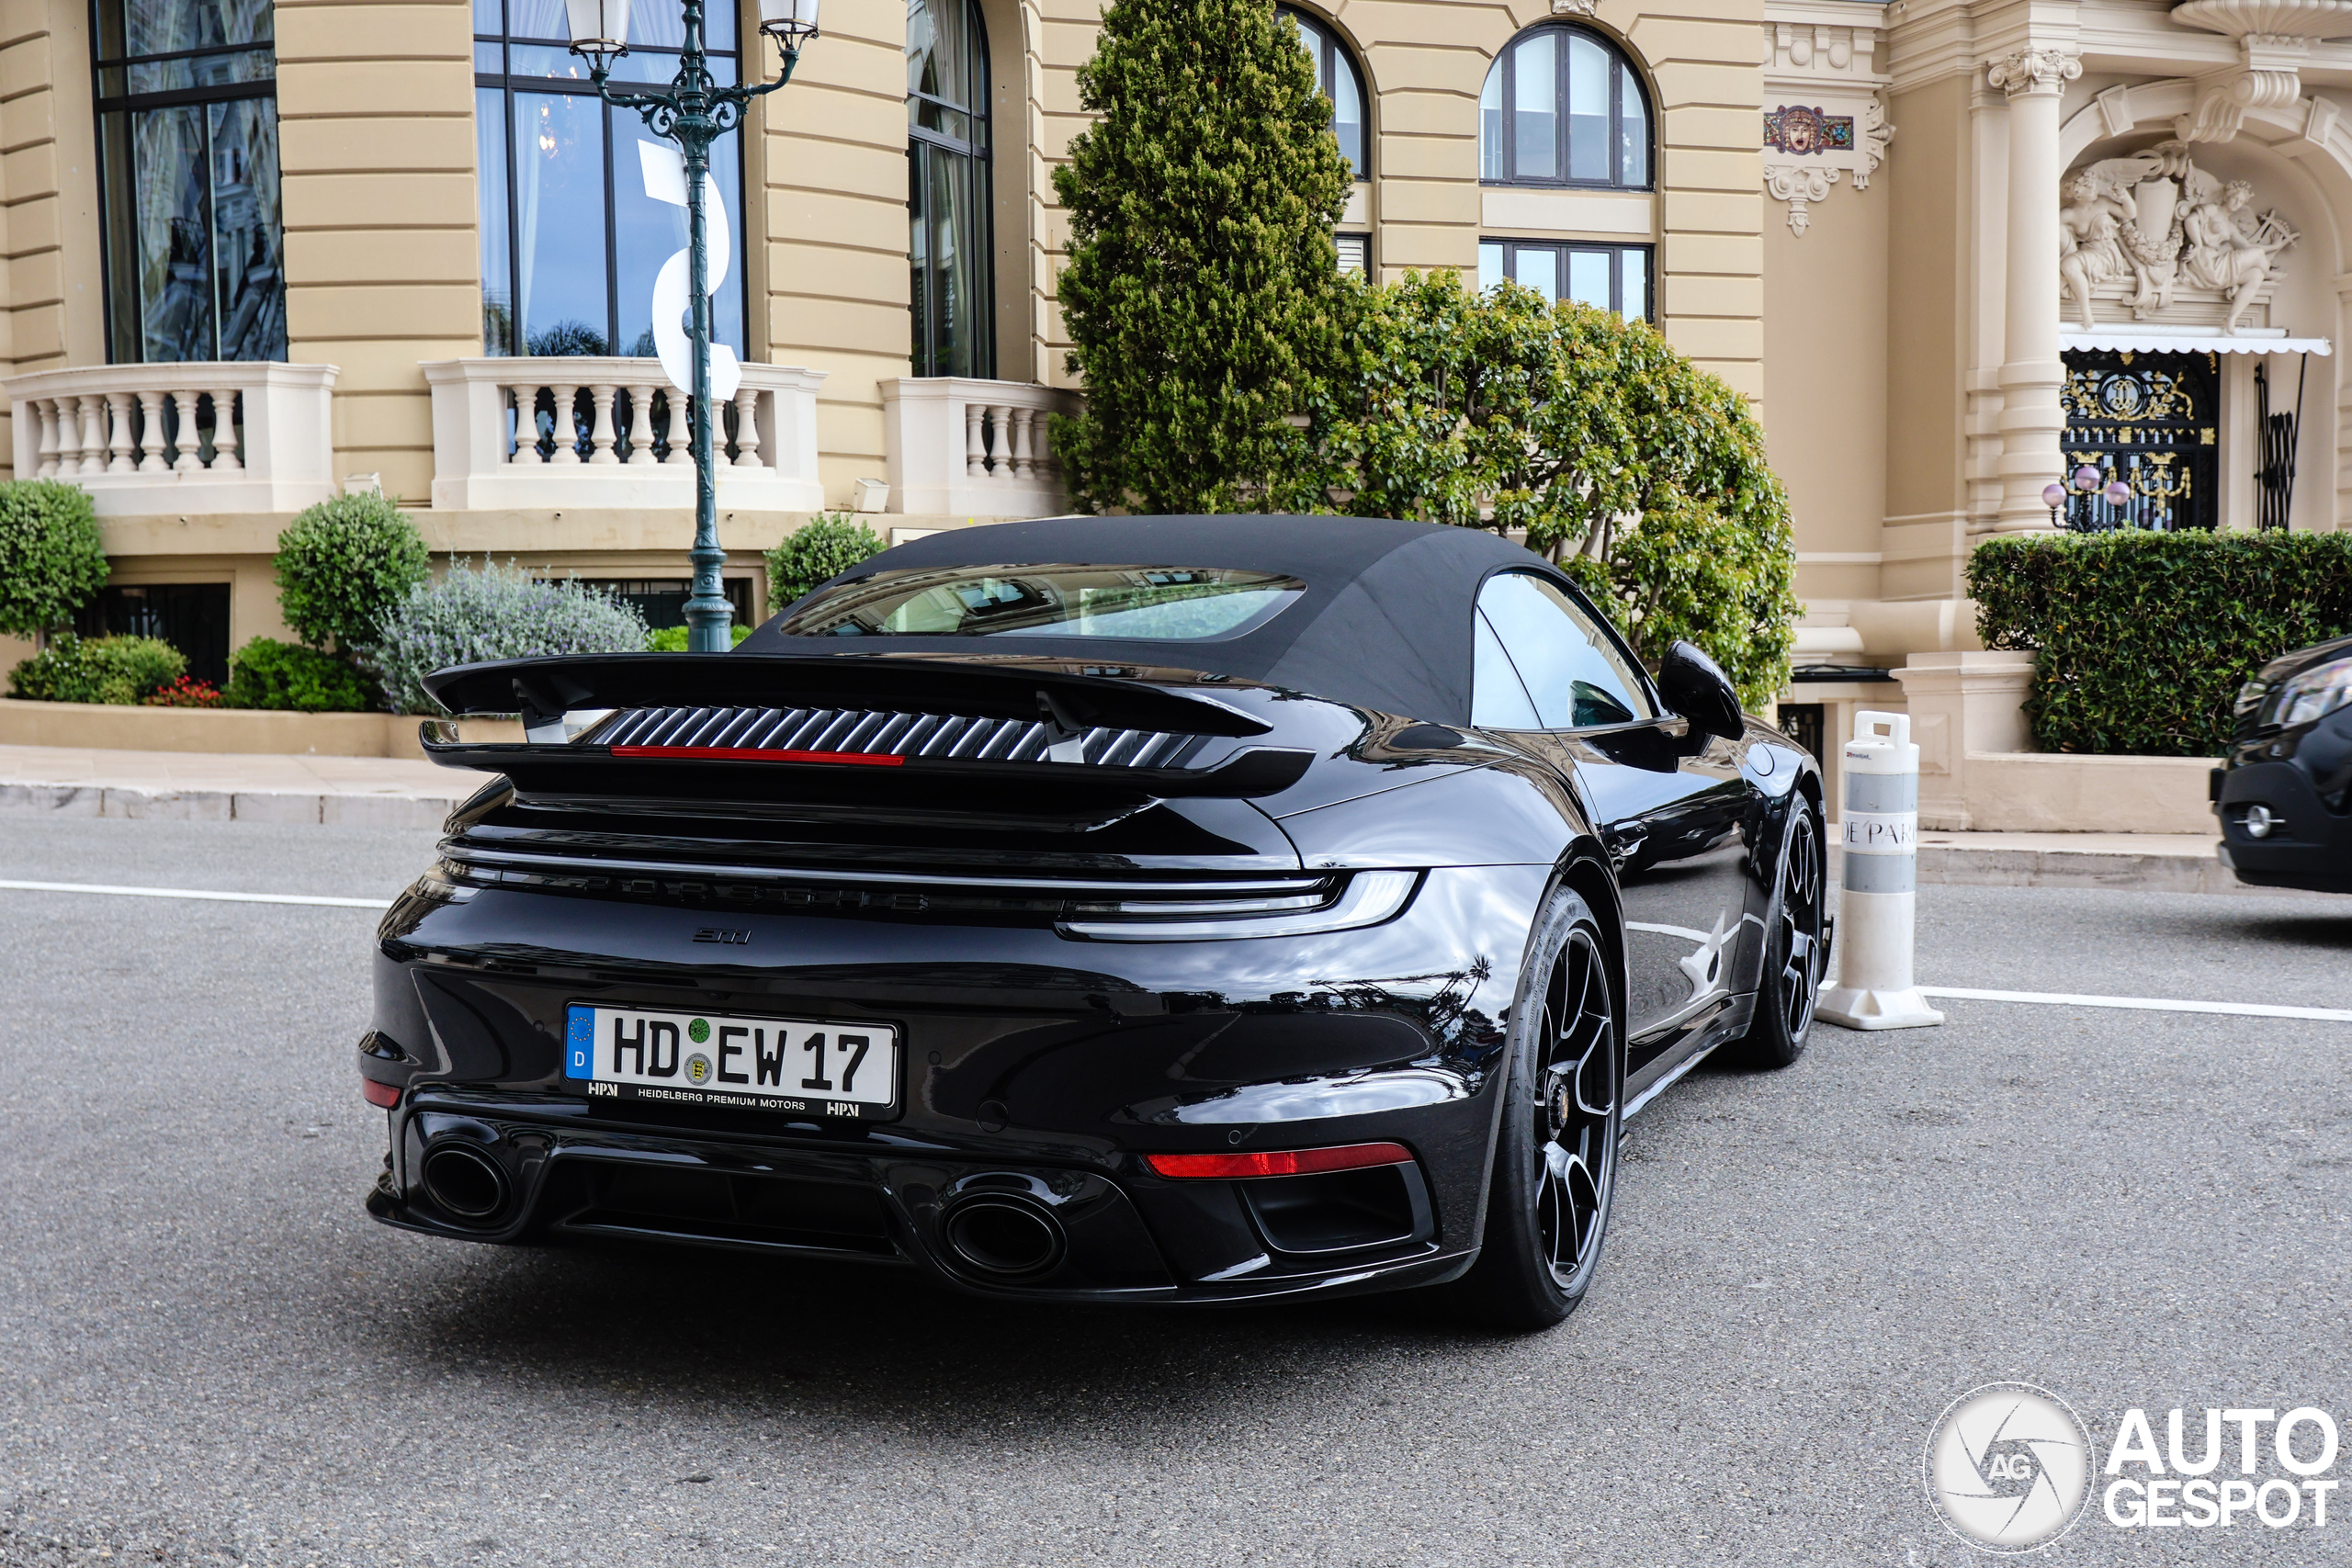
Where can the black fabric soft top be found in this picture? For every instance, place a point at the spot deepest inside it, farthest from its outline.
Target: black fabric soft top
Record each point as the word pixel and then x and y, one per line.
pixel 1384 621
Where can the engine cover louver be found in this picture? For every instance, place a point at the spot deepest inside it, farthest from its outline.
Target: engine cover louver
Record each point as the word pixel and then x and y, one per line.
pixel 847 733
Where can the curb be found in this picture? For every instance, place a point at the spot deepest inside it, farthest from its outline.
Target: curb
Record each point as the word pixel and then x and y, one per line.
pixel 228 806
pixel 2079 868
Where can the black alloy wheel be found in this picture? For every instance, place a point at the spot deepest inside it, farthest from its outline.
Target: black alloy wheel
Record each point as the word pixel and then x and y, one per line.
pixel 1576 1111
pixel 1555 1156
pixel 1789 986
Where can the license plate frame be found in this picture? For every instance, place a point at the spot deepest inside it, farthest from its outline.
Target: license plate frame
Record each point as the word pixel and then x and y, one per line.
pixel 827 1069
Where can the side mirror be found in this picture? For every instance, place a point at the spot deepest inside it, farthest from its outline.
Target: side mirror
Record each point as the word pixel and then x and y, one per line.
pixel 1696 687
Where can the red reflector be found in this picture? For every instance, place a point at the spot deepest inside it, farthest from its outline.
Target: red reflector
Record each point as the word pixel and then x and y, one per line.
pixel 756 754
pixel 384 1094
pixel 1278 1162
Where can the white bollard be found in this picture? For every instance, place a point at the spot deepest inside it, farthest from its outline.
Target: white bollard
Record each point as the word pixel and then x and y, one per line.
pixel 1878 878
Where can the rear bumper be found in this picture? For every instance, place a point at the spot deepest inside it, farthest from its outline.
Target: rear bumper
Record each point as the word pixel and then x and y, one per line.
pixel 2310 848
pixel 1038 1075
pixel 1115 1236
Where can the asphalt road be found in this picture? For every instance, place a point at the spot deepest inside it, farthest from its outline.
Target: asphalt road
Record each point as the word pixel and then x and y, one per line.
pixel 209 1354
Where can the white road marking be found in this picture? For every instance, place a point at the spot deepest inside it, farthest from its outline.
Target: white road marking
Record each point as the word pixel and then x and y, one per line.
pixel 198 893
pixel 2145 1004
pixel 1685 933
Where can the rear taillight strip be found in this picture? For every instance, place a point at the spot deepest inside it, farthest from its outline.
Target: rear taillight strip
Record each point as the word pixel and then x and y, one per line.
pixel 758 754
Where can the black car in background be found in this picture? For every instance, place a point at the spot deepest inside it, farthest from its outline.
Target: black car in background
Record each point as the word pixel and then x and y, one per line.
pixel 2285 795
pixel 1160 908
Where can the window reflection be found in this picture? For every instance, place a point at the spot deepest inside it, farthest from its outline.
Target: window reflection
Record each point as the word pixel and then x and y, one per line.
pixel 188 180
pixel 952 283
pixel 570 244
pixel 1563 106
pixel 1337 79
pixel 1613 277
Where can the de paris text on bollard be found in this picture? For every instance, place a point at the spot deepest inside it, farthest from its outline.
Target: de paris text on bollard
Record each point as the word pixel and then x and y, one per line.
pixel 1879 872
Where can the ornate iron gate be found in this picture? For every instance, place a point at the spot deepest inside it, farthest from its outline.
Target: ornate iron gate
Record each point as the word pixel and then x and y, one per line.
pixel 2153 422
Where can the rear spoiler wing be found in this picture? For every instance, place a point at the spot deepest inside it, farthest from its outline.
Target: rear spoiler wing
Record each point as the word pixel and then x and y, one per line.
pixel 543 690
pixel 1065 704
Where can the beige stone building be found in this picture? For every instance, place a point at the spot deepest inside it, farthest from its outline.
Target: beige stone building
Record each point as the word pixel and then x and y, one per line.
pixel 1953 248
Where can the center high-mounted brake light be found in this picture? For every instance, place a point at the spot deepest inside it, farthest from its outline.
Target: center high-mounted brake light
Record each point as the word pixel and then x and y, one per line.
pixel 759 754
pixel 1277 1162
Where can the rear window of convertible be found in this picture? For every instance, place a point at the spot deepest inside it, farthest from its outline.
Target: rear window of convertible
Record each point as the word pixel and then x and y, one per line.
pixel 1175 603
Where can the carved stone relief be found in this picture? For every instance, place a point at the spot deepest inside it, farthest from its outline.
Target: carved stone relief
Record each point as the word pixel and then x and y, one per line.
pixel 1823 116
pixel 2155 238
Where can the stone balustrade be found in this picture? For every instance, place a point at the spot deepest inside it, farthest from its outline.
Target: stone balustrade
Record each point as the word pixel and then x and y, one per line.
pixel 569 433
pixel 962 448
pixel 153 439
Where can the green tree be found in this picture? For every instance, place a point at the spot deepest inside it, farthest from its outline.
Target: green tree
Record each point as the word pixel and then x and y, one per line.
pixel 824 548
pixel 51 562
pixel 1640 473
pixel 343 566
pixel 1202 295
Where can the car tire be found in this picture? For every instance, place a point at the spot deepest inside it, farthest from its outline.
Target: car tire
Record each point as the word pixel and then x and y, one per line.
pixel 1555 1153
pixel 1789 986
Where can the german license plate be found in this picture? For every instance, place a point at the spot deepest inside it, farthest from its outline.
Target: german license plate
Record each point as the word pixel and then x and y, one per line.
pixel 815 1066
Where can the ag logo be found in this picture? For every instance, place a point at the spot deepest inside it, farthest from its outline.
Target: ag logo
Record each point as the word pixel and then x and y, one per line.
pixel 2008 1467
pixel 697 1068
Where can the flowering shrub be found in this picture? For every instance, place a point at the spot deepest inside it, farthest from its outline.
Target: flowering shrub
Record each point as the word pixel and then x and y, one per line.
pixel 117 670
pixel 185 693
pixel 490 611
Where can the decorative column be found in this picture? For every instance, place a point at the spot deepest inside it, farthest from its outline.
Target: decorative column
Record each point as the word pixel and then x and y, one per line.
pixel 2031 371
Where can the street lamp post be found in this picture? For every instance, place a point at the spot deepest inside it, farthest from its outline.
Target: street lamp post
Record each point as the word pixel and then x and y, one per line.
pixel 2084 479
pixel 694 112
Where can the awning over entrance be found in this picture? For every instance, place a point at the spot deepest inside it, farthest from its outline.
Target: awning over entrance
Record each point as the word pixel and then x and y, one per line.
pixel 2172 340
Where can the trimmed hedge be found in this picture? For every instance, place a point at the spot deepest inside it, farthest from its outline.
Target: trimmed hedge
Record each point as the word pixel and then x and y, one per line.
pixel 817 551
pixel 672 639
pixel 2145 637
pixel 117 670
pixel 343 566
pixel 286 676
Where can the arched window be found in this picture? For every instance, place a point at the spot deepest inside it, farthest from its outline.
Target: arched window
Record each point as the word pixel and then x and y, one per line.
pixel 1564 107
pixel 954 289
pixel 1336 77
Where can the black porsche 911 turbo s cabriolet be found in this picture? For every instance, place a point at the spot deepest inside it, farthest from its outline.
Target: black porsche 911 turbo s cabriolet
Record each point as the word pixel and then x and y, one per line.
pixel 1189 909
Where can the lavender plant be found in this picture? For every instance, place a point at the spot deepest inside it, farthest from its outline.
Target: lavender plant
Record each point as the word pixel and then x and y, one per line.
pixel 476 614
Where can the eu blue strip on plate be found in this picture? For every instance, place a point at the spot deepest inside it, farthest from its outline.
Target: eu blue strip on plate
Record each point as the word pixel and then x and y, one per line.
pixel 578 1039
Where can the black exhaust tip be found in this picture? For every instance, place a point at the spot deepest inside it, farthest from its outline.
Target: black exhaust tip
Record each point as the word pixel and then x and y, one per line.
pixel 463 1181
pixel 1005 1239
